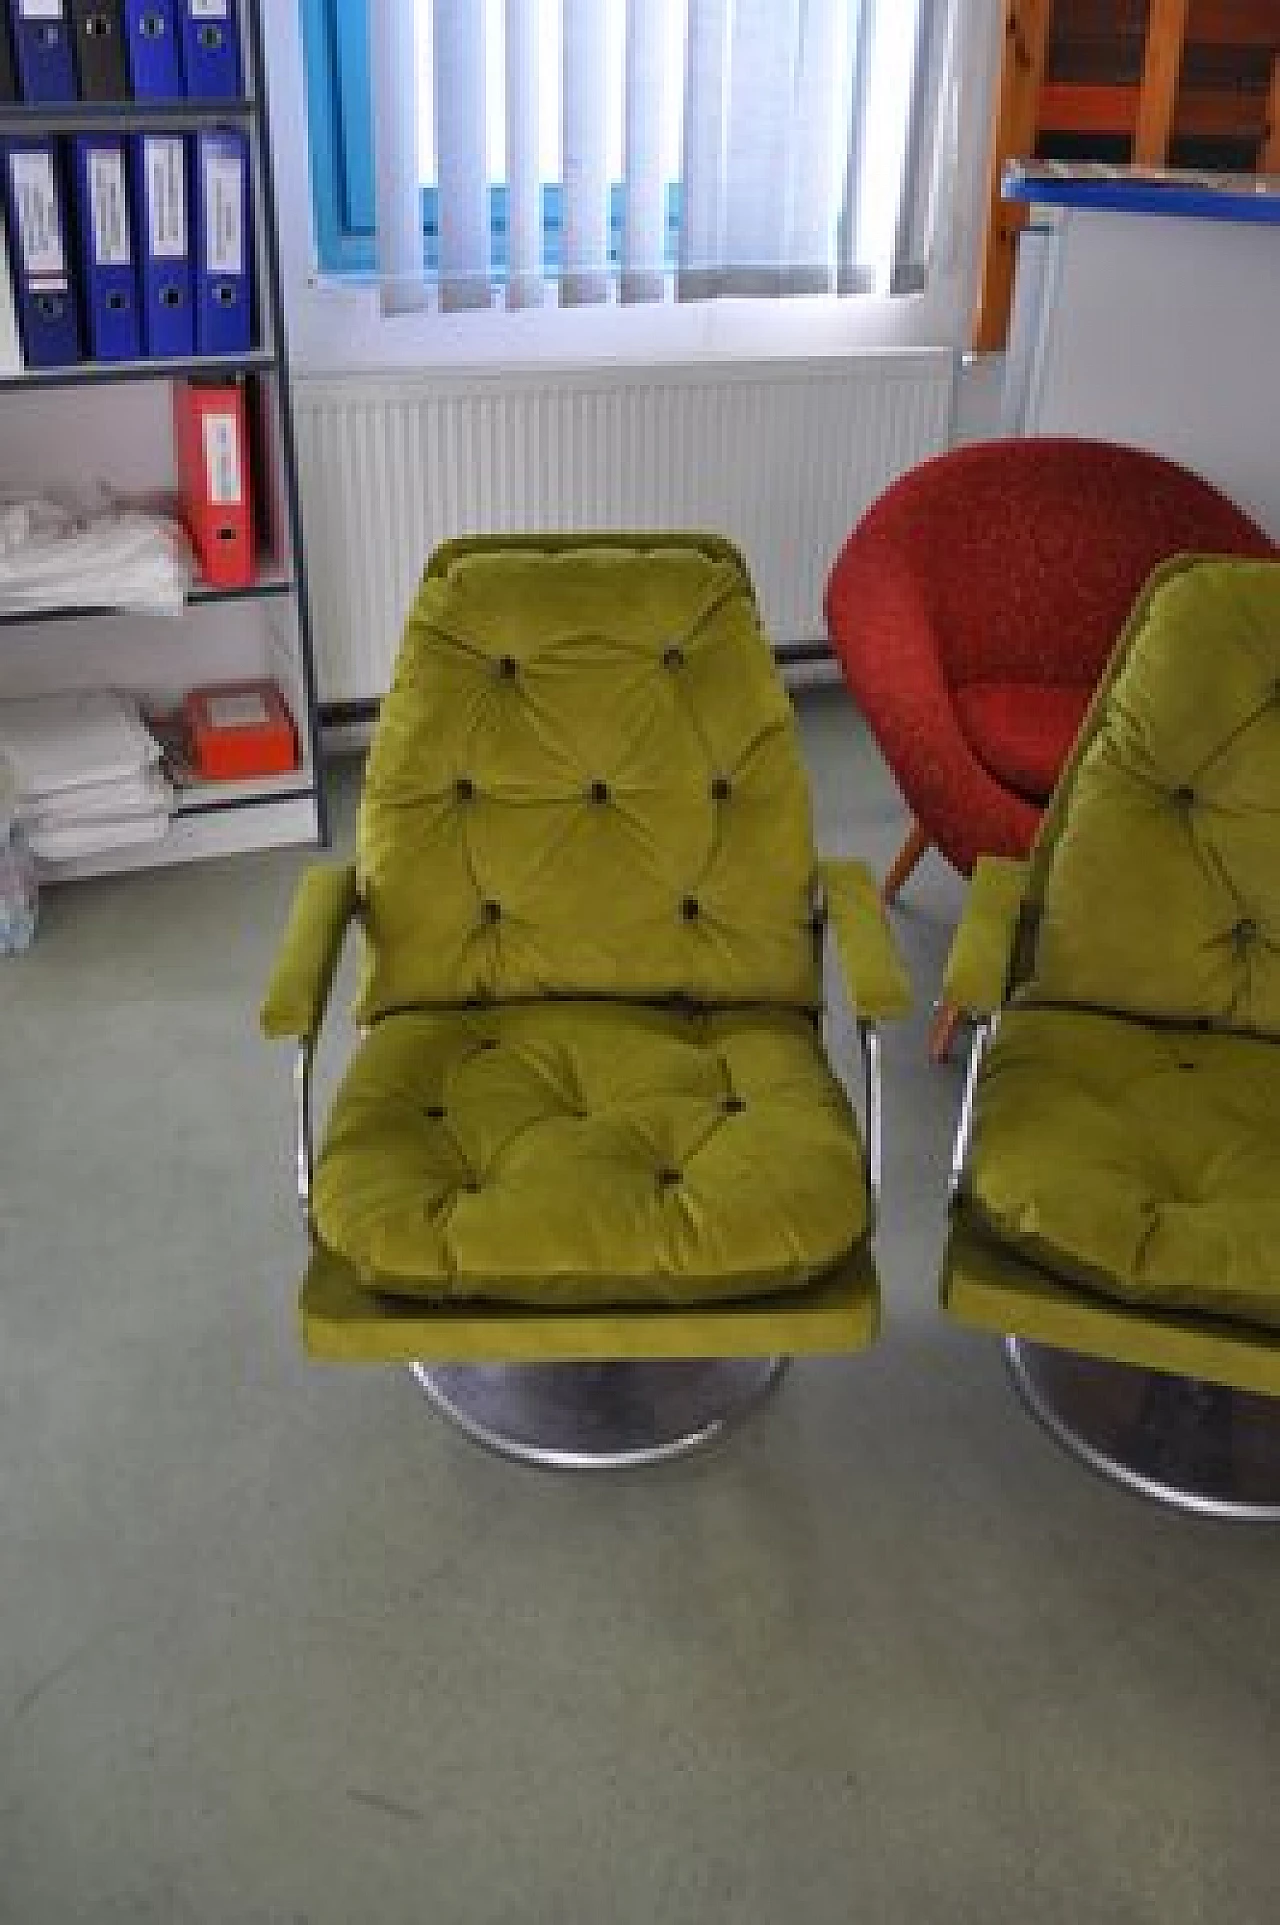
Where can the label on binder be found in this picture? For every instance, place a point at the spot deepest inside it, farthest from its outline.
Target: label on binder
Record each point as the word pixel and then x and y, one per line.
pixel 208 9
pixel 109 201
pixel 222 460
pixel 167 199
pixel 223 179
pixel 35 193
pixel 40 9
pixel 238 711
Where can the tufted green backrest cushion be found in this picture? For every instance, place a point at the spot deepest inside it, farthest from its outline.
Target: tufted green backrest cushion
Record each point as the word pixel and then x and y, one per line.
pixel 586 781
pixel 1155 882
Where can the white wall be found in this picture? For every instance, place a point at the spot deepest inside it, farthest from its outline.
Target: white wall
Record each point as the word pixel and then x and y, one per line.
pixel 979 398
pixel 334 328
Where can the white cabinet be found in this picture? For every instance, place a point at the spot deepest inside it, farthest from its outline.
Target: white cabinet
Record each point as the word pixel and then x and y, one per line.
pixel 1149 312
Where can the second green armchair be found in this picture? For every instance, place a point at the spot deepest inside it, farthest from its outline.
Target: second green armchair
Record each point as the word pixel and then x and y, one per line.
pixel 1116 1182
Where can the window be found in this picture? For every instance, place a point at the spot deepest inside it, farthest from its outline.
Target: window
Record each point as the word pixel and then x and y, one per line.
pixel 534 151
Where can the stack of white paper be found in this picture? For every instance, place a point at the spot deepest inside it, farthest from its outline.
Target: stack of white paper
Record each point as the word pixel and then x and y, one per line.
pixel 56 556
pixel 88 773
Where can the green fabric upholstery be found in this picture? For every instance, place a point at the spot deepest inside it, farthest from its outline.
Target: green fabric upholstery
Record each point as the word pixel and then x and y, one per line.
pixel 592 1107
pixel 1121 1183
pixel 1166 819
pixel 585 767
pixel 878 984
pixel 570 1152
pixel 302 976
pixel 1139 1160
pixel 989 1286
pixel 345 1323
pixel 978 966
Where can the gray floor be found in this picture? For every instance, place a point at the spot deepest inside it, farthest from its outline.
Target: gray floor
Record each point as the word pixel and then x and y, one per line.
pixel 277 1645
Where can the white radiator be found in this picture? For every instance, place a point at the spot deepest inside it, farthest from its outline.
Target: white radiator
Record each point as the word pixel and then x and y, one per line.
pixel 781 456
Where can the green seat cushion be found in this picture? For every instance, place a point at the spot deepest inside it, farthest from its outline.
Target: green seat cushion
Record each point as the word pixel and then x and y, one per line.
pixel 1137 1160
pixel 585 781
pixel 577 1153
pixel 1155 883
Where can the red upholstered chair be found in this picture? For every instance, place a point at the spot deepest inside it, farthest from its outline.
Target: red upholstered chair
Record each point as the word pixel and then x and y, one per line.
pixel 974 607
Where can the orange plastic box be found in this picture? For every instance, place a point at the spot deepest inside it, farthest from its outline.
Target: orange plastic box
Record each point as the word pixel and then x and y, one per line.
pixel 239 730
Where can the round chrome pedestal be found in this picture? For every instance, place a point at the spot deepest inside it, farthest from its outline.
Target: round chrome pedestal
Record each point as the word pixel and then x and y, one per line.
pixel 597 1416
pixel 1197 1446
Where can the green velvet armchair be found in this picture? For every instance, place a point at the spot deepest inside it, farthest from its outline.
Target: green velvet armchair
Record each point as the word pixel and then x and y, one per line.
pixel 589 1170
pixel 1116 1180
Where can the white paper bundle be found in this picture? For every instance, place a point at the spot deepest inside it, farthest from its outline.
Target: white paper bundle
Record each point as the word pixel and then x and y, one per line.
pixel 87 771
pixel 54 556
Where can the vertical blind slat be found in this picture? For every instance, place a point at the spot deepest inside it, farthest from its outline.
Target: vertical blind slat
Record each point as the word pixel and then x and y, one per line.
pixel 397 196
pixel 885 126
pixel 524 165
pixel 584 236
pixel 461 157
pixel 853 275
pixel 820 114
pixel 929 150
pixel 702 148
pixel 644 197
pixel 758 116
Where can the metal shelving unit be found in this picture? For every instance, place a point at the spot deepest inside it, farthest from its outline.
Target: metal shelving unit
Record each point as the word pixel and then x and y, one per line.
pixel 269 583
pixel 69 117
pixel 224 634
pixel 94 373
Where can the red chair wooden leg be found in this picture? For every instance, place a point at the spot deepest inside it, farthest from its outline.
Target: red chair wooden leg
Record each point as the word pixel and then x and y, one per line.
pixel 942 1031
pixel 904 862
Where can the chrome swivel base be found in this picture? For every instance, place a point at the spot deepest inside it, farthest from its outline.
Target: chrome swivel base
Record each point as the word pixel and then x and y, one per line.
pixel 585 1416
pixel 1196 1446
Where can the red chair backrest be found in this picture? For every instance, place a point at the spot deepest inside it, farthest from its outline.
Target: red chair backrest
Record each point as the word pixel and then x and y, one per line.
pixel 1028 554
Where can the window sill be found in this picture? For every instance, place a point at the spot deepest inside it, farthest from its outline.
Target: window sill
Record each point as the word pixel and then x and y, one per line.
pixel 337 326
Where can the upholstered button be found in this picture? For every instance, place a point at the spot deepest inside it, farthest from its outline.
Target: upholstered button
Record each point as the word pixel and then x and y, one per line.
pixel 689 909
pixel 733 1105
pixel 599 791
pixel 1184 794
pixel 507 667
pixel 667 1179
pixel 1245 930
pixel 722 788
pixel 464 789
pixel 490 912
pixel 435 1112
pixel 487 1042
pixel 673 657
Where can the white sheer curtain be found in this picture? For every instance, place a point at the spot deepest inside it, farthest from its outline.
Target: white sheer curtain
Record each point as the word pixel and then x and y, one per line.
pixel 806 142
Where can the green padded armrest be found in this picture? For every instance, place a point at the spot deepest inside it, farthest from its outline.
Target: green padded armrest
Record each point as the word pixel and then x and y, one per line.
pixel 303 972
pixel 977 971
pixel 873 970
